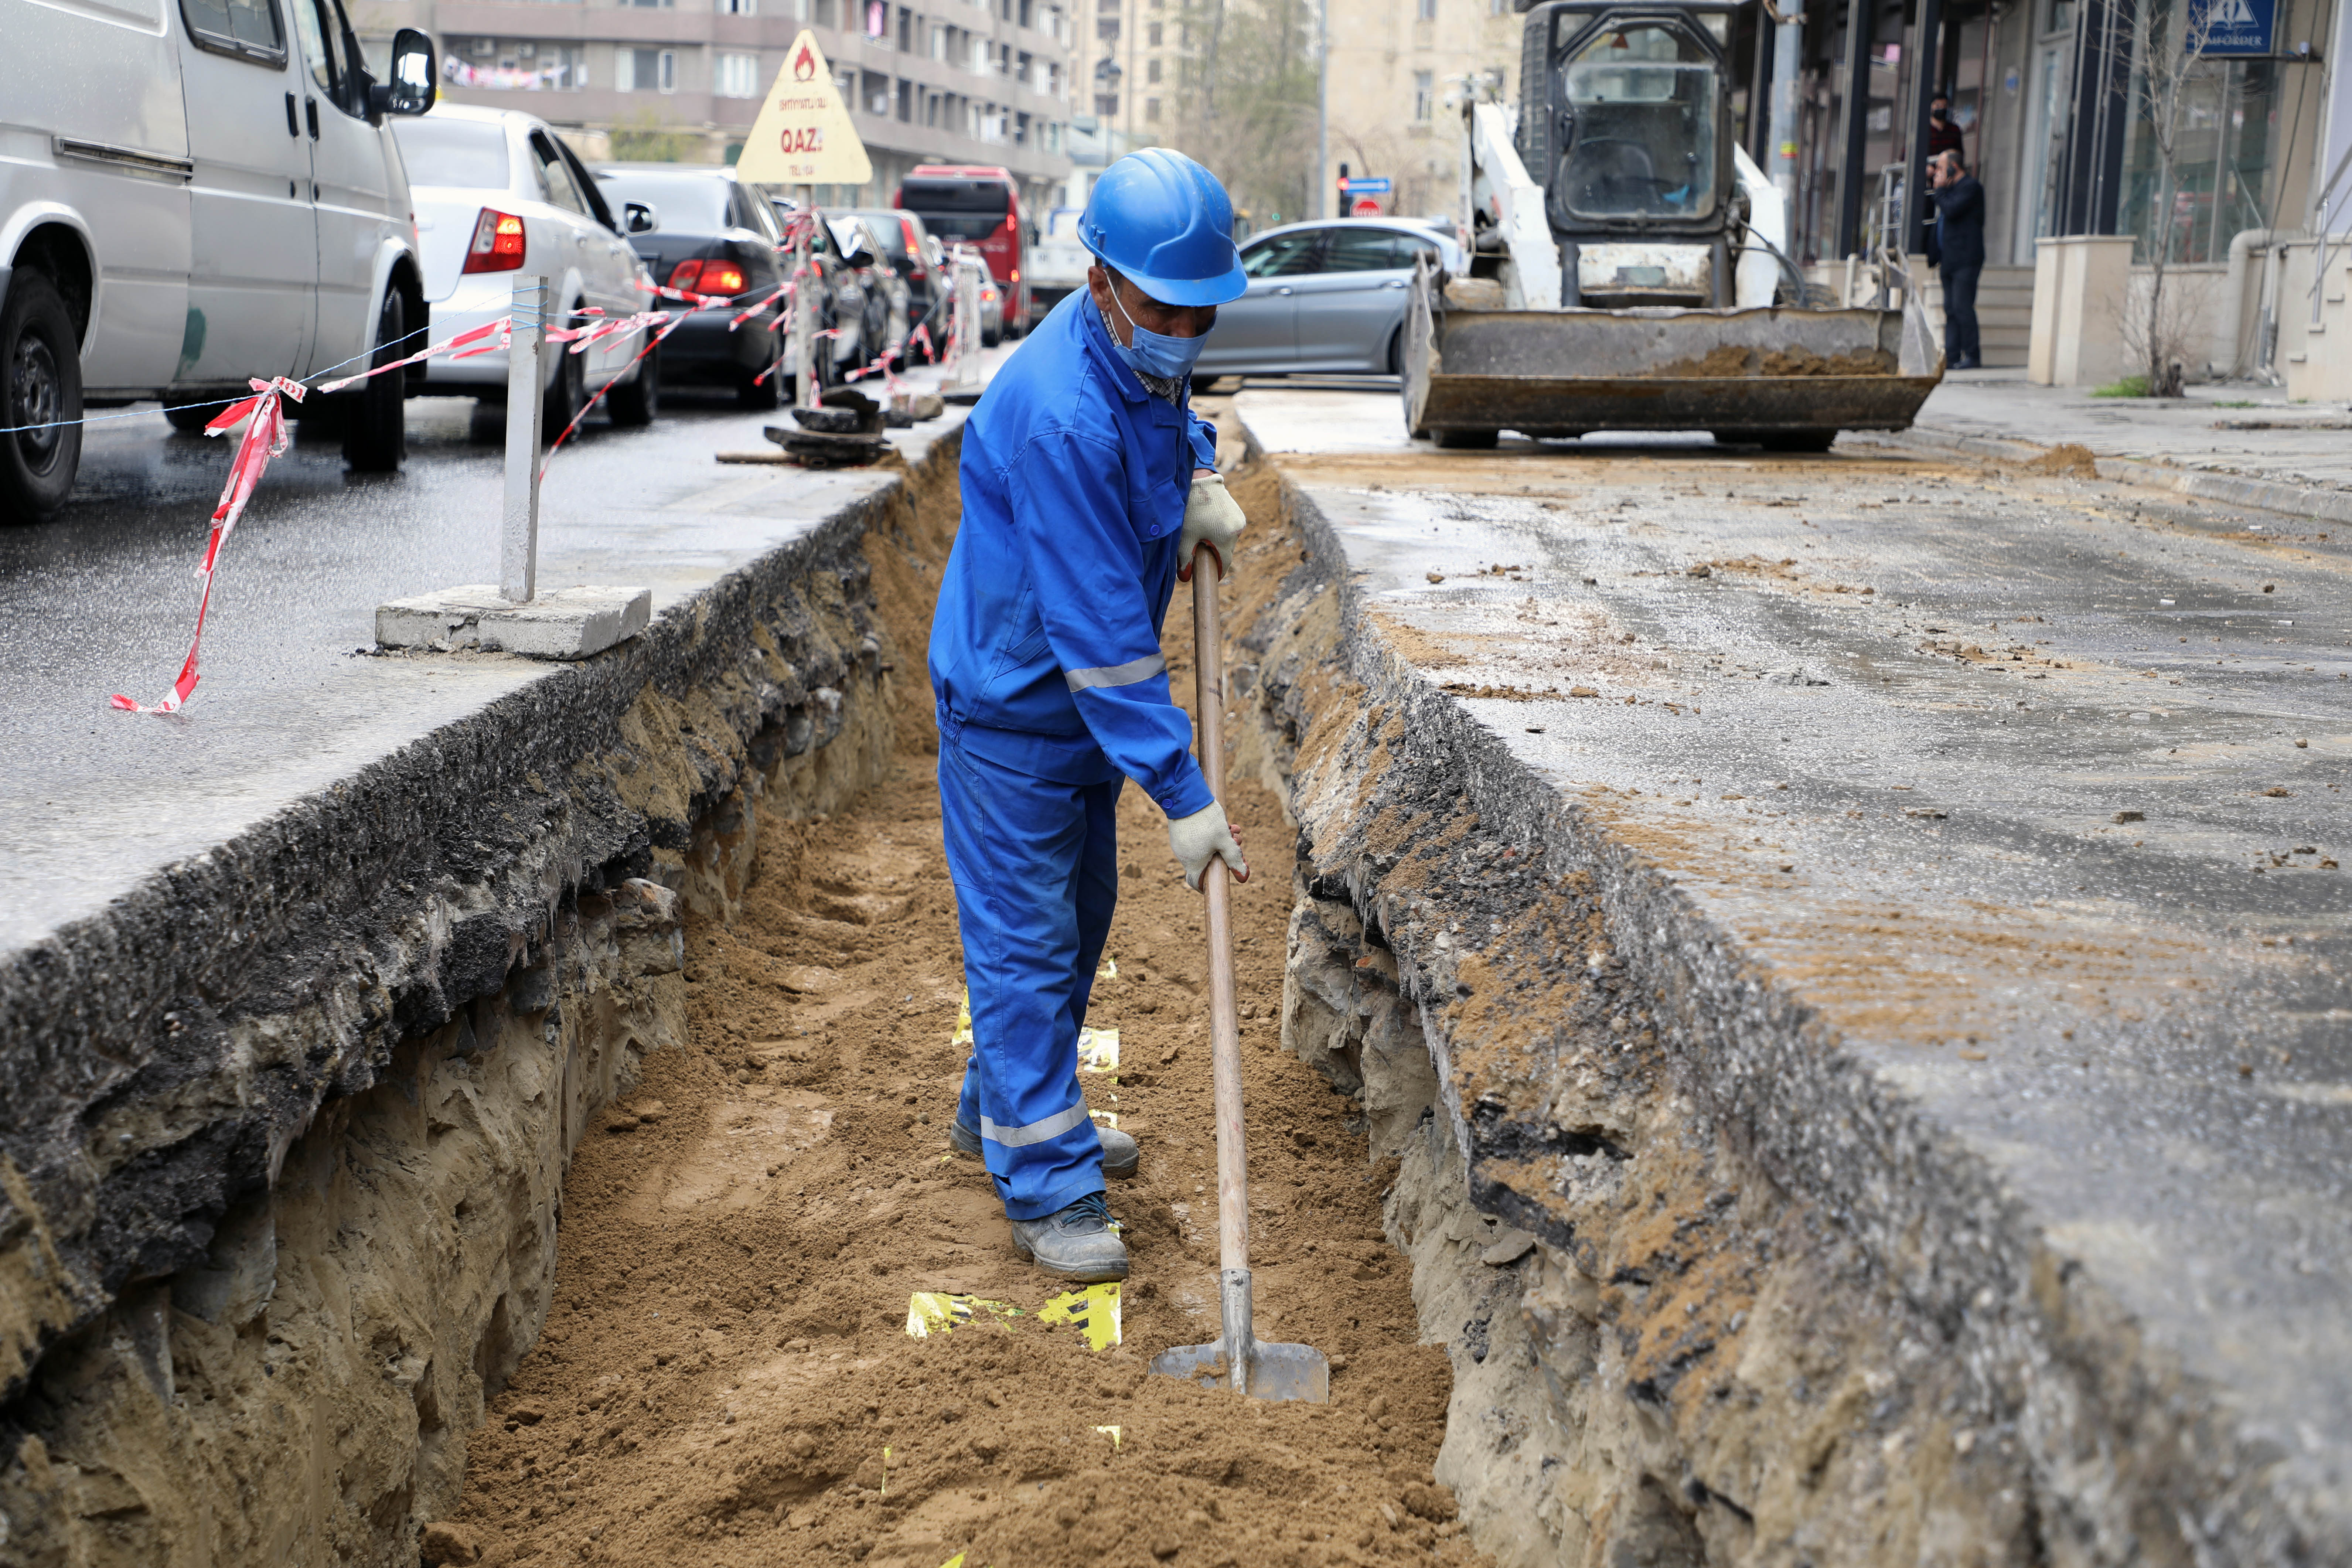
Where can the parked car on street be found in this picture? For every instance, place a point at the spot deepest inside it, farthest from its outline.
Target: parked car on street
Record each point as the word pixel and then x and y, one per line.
pixel 840 297
pixel 912 252
pixel 194 193
pixel 885 292
pixel 499 196
pixel 1327 296
pixel 992 295
pixel 708 234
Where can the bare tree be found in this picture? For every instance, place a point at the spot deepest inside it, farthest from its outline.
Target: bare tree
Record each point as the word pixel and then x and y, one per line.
pixel 1246 103
pixel 2169 40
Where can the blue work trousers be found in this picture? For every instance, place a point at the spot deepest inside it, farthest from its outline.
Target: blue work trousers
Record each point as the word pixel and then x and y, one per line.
pixel 1037 878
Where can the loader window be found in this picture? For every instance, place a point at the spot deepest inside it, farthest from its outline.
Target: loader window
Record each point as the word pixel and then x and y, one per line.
pixel 1642 142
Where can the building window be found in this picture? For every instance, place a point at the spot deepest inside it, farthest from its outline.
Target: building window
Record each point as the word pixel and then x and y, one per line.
pixel 1151 70
pixel 1151 108
pixel 1107 105
pixel 1107 30
pixel 1426 10
pixel 1424 94
pixel 646 70
pixel 739 8
pixel 739 76
pixel 1151 34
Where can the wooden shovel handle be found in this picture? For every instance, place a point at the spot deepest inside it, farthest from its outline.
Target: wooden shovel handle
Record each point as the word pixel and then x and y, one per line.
pixel 1224 1026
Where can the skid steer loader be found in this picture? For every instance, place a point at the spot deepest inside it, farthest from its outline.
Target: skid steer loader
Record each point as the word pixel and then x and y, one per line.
pixel 1640 279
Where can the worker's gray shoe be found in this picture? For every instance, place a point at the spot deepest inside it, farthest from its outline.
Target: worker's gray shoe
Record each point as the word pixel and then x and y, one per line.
pixel 1119 1152
pixel 1078 1242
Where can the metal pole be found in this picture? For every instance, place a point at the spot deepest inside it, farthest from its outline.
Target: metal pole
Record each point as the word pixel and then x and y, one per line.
pixel 1322 106
pixel 1788 66
pixel 808 287
pixel 526 352
pixel 1859 16
pixel 1927 41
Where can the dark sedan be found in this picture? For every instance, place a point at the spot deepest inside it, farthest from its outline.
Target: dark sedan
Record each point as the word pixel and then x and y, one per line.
pixel 711 235
pixel 910 244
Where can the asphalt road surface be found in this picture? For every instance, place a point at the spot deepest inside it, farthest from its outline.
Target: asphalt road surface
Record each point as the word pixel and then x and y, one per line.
pixel 102 600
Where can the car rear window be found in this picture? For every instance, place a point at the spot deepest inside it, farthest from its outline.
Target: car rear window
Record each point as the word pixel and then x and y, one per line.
pixel 688 204
pixel 453 152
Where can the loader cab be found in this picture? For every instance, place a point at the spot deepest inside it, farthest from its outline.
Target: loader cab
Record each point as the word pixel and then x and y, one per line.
pixel 1626 119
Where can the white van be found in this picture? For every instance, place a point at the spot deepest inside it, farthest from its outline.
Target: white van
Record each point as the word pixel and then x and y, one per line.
pixel 194 192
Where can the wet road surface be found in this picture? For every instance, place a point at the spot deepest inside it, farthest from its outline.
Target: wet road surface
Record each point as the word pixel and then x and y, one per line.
pixel 102 600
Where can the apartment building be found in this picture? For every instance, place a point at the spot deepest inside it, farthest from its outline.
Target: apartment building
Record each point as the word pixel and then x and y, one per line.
pixel 1128 63
pixel 1396 72
pixel 957 82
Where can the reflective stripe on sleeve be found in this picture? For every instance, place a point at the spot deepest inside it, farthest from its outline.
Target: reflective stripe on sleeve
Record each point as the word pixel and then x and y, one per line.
pixel 1127 674
pixel 1036 1132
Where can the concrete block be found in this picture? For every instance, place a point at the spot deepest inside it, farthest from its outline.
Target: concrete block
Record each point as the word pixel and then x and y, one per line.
pixel 564 624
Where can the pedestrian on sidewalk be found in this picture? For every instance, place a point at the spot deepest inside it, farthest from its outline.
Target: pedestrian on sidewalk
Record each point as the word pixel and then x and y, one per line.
pixel 1087 481
pixel 1956 249
pixel 1943 133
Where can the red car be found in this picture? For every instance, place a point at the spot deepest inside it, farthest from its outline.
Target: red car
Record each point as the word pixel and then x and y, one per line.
pixel 980 206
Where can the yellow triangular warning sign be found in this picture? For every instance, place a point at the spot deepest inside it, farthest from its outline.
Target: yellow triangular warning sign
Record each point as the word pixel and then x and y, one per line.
pixel 804 136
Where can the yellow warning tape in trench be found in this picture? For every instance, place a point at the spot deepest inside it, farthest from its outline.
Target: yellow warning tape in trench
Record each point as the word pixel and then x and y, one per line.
pixel 1092 1311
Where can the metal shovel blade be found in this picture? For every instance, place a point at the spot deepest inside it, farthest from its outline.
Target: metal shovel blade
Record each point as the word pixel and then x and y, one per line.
pixel 1275 1370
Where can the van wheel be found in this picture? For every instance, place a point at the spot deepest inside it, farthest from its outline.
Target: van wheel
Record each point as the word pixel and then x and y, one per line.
pixel 376 438
pixel 634 401
pixel 40 383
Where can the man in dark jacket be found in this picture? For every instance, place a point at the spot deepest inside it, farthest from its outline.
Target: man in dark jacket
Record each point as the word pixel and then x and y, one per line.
pixel 1943 134
pixel 1956 249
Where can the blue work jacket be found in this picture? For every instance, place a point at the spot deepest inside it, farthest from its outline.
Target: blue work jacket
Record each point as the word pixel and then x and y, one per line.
pixel 1045 643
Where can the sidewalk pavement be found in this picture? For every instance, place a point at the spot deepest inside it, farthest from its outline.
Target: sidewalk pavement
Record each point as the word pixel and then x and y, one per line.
pixel 2246 445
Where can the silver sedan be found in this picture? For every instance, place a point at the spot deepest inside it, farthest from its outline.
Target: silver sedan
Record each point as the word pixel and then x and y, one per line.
pixel 1326 296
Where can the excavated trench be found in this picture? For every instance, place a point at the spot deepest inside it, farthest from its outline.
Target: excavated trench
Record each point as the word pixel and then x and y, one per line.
pixel 729 1075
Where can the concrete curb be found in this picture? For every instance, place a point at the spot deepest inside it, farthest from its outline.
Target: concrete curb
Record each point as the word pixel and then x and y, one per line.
pixel 2234 490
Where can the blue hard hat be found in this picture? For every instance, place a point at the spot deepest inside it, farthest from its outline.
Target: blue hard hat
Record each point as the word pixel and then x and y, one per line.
pixel 1166 224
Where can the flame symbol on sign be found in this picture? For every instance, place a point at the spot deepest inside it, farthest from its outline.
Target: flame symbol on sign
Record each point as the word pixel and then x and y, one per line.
pixel 804 64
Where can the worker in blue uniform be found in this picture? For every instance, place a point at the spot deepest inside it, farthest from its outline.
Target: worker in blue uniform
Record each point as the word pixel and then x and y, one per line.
pixel 1088 483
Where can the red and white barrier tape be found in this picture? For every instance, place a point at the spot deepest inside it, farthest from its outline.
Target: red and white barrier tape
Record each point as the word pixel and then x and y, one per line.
pixel 264 437
pixel 266 434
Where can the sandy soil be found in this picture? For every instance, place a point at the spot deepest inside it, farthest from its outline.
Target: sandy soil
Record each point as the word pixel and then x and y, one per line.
pixel 726 1377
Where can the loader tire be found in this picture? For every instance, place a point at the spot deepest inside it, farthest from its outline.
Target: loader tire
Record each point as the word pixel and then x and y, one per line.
pixel 1469 440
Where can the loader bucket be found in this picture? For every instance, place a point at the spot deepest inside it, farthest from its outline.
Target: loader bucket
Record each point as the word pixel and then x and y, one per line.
pixel 1778 374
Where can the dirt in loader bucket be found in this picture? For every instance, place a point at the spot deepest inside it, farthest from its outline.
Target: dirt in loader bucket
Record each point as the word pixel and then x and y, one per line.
pixel 727 1376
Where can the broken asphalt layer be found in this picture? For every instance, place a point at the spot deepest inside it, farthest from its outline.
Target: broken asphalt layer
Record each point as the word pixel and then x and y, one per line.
pixel 1975 834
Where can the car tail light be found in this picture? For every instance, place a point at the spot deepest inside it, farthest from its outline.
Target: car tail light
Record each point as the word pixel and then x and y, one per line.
pixel 707 277
pixel 914 248
pixel 1016 275
pixel 499 243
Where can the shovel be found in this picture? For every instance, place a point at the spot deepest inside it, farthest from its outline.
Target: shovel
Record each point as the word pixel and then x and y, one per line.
pixel 1239 1360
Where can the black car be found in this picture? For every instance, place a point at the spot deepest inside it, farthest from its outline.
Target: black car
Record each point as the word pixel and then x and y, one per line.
pixel 711 236
pixel 910 247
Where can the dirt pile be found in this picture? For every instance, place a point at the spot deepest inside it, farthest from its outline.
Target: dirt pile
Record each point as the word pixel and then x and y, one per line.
pixel 726 1377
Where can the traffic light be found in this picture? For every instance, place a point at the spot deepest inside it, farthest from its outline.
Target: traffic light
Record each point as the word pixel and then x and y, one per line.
pixel 1341 208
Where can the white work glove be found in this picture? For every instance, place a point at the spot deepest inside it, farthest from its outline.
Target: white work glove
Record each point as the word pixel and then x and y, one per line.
pixel 1203 837
pixel 1212 518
